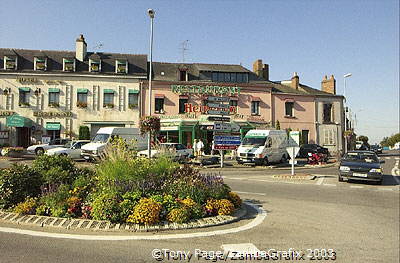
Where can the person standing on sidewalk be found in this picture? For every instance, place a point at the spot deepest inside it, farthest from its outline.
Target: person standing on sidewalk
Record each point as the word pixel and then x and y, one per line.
pixel 195 148
pixel 200 147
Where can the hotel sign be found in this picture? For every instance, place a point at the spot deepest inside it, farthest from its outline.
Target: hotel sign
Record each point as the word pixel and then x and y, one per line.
pixel 51 114
pixel 6 113
pixel 209 89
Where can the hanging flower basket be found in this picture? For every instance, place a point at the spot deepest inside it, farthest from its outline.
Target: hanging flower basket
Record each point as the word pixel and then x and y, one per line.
pixel 149 124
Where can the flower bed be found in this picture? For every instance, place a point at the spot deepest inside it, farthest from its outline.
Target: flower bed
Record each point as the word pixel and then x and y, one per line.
pixel 122 189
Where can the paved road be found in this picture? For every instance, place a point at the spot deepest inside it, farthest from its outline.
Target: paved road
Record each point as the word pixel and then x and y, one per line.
pixel 358 221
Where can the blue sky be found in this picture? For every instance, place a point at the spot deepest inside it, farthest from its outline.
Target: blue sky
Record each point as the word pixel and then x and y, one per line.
pixel 313 38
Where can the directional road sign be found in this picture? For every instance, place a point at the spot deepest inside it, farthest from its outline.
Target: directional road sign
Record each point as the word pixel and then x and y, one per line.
pixel 225 147
pixel 217 112
pixel 217 118
pixel 218 99
pixel 218 105
pixel 226 127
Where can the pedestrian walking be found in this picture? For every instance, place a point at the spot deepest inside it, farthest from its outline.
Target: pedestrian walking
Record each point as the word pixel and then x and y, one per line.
pixel 200 147
pixel 195 148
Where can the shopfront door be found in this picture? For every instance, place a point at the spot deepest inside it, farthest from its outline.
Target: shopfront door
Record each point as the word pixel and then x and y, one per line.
pixel 23 136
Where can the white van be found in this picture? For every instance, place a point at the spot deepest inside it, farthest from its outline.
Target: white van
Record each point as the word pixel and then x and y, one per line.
pixel 94 149
pixel 262 147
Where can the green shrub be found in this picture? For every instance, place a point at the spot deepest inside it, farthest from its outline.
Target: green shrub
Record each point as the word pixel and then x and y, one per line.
pixel 28 207
pixel 130 200
pixel 235 199
pixel 147 211
pixel 56 203
pixel 17 183
pixel 84 133
pixel 179 215
pixel 84 183
pixel 105 206
pixel 55 169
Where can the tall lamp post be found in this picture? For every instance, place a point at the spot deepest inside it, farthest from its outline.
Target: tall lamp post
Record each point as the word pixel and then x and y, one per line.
pixel 345 110
pixel 151 13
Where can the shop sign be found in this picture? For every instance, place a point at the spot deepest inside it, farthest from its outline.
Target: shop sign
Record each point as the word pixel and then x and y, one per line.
pixel 215 118
pixel 4 134
pixel 52 114
pixel 196 89
pixel 189 108
pixel 5 113
pixel 181 116
pixel 46 139
pixel 23 80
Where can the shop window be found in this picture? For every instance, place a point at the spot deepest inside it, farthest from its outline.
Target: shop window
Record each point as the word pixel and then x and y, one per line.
pixel 10 63
pixel 233 103
pixel 327 113
pixel 121 66
pixel 255 108
pixel 69 64
pixel 24 98
pixel 81 100
pixel 94 65
pixel 108 100
pixel 182 103
pixel 40 63
pixel 133 100
pixel 289 105
pixel 159 105
pixel 54 99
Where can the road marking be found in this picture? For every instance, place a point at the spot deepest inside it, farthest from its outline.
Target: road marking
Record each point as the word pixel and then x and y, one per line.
pixel 387 158
pixel 396 174
pixel 250 193
pixel 261 215
pixel 397 158
pixel 237 250
pixel 329 184
pixel 320 180
pixel 356 186
pixel 385 189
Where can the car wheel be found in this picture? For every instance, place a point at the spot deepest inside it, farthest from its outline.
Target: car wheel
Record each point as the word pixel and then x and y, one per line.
pixel 284 158
pixel 340 178
pixel 39 151
pixel 265 161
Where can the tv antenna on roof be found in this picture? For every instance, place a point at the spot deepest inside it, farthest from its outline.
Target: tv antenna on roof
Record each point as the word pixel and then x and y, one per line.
pixel 184 48
pixel 98 47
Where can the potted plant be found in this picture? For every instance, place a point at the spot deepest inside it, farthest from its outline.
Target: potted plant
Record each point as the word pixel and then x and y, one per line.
pixel 24 104
pixel 81 104
pixel 54 104
pixel 109 105
pixel 132 106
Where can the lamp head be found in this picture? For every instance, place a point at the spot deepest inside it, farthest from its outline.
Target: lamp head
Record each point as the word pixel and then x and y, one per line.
pixel 151 13
pixel 347 75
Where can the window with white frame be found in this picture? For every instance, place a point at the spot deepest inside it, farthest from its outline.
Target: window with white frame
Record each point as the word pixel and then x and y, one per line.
pixel 327 113
pixel 255 108
pixel 94 65
pixel 289 105
pixel 69 64
pixel 10 62
pixel 40 63
pixel 24 97
pixel 329 138
pixel 108 99
pixel 121 66
pixel 54 99
pixel 133 100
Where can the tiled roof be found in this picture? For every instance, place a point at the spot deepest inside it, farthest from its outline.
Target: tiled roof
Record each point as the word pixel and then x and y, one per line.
pixel 137 64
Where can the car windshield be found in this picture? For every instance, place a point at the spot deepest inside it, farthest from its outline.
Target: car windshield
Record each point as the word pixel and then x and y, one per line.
pixel 361 157
pixel 68 144
pixel 254 141
pixel 100 137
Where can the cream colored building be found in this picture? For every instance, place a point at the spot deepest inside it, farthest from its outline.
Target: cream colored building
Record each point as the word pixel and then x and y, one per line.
pixel 52 93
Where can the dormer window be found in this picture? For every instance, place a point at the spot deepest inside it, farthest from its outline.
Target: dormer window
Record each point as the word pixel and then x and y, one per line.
pixel 94 65
pixel 40 63
pixel 10 62
pixel 121 66
pixel 69 64
pixel 183 75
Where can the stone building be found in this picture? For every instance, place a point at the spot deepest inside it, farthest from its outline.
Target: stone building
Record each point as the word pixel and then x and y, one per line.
pixel 47 93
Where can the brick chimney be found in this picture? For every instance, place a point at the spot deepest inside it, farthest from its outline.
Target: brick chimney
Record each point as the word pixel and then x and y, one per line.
pixel 260 69
pixel 329 85
pixel 295 81
pixel 80 48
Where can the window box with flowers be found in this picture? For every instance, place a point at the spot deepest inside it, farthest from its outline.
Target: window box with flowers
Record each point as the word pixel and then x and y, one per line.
pixel 24 104
pixel 10 65
pixel 12 151
pixel 109 105
pixel 133 106
pixel 81 104
pixel 54 104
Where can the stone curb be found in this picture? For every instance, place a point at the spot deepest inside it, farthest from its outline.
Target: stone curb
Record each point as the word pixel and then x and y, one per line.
pixel 234 167
pixel 294 177
pixel 97 225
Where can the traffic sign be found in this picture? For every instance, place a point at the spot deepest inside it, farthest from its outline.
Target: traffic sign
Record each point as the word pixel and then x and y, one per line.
pixel 221 126
pixel 218 105
pixel 218 99
pixel 292 151
pixel 225 147
pixel 227 138
pixel 217 118
pixel 217 112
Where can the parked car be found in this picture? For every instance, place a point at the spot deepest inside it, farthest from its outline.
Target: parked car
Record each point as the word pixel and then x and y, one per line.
pixel 71 149
pixel 376 148
pixel 361 165
pixel 305 149
pixel 39 149
pixel 179 151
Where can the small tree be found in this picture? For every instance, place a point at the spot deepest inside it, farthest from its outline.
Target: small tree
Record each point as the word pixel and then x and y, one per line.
pixel 84 133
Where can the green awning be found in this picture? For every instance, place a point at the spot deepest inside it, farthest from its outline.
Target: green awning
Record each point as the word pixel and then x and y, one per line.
pixel 53 126
pixel 109 91
pixel 18 121
pixel 54 90
pixel 133 91
pixel 121 62
pixel 26 89
pixel 40 60
pixel 68 60
pixel 83 90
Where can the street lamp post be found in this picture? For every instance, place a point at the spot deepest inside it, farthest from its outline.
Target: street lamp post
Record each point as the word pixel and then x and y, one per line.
pixel 345 111
pixel 151 13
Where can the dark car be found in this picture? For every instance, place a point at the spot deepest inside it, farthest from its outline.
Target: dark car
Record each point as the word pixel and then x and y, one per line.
pixel 376 148
pixel 361 165
pixel 305 149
